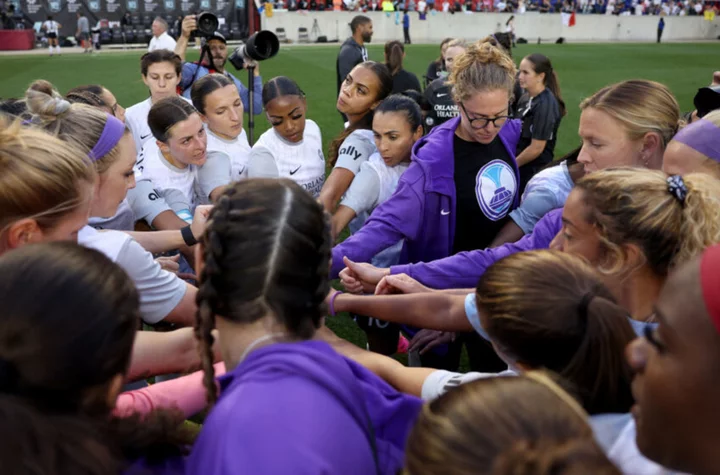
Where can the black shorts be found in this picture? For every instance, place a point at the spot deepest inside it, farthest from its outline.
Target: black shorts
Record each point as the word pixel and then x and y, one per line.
pixel 52 36
pixel 82 36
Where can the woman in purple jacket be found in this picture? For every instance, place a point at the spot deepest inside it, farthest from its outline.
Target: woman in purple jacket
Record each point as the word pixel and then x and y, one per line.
pixel 625 124
pixel 288 404
pixel 462 182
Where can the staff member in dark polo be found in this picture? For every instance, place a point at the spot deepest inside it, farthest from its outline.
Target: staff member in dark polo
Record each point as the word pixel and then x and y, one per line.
pixel 353 52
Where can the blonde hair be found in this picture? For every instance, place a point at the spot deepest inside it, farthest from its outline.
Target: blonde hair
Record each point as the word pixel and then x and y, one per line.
pixel 630 205
pixel 640 106
pixel 482 67
pixel 78 124
pixel 507 425
pixel 39 176
pixel 550 309
pixel 713 117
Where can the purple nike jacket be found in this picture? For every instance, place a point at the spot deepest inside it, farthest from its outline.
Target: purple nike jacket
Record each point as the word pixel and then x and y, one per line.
pixel 422 210
pixel 302 408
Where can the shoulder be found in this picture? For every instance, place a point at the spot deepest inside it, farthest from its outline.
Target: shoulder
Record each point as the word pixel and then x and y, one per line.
pixel 312 127
pixel 138 108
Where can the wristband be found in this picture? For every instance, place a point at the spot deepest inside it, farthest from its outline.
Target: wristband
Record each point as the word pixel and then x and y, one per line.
pixel 331 305
pixel 188 236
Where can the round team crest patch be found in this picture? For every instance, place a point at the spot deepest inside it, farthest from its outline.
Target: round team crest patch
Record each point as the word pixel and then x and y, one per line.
pixel 495 188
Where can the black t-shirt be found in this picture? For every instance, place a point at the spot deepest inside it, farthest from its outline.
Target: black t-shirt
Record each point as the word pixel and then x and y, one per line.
pixel 442 105
pixel 541 119
pixel 485 188
pixel 404 81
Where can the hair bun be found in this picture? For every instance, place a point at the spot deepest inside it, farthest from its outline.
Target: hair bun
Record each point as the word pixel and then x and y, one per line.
pixel 43 100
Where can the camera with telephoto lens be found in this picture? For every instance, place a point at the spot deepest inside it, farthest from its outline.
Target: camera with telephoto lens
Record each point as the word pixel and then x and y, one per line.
pixel 259 47
pixel 207 23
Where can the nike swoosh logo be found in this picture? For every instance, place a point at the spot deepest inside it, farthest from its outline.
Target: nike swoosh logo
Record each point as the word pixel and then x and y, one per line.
pixel 442 95
pixel 444 213
pixel 143 137
pixel 295 171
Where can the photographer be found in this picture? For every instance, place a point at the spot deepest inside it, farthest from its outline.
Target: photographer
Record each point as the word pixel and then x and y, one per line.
pixel 213 62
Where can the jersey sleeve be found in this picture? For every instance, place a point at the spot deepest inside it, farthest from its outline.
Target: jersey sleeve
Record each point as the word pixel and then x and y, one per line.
pixel 146 202
pixel 160 291
pixel 363 192
pixel 354 151
pixel 216 172
pixel 537 203
pixel 439 382
pixel 544 118
pixel 261 164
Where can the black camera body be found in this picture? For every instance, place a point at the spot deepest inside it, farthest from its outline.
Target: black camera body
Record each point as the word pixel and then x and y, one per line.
pixel 259 47
pixel 207 23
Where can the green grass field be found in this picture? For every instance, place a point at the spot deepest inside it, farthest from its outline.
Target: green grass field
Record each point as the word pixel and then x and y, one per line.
pixel 582 70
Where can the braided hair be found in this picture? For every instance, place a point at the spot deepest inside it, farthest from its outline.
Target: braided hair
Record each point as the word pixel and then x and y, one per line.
pixel 266 251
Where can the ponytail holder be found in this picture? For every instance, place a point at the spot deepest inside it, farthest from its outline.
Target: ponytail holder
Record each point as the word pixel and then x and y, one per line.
pixel 111 135
pixel 677 188
pixel 585 304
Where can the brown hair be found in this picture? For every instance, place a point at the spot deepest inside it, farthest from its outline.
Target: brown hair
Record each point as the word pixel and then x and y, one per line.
pixel 630 205
pixel 205 86
pixel 640 106
pixel 386 84
pixel 549 309
pixel 394 51
pixel 40 176
pixel 266 251
pixel 542 65
pixel 482 67
pixel 78 124
pixel 59 355
pixel 165 113
pixel 160 56
pixel 504 426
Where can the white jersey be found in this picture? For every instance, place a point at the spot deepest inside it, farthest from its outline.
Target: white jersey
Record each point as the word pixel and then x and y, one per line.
pixel 238 151
pixel 136 119
pixel 109 243
pixel 152 165
pixel 51 26
pixel 303 162
pixel 389 176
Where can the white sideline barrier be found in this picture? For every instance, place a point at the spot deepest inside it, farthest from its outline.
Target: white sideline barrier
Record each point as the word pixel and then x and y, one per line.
pixel 473 26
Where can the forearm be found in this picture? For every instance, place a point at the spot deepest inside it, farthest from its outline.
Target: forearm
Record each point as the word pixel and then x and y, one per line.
pixel 158 241
pixel 163 353
pixel 528 155
pixel 432 310
pixel 186 393
pixel 335 186
pixel 181 46
pixel 168 220
pixel 407 380
pixel 341 218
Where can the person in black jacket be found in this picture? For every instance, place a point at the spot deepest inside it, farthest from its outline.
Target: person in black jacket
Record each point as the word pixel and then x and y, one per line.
pixel 353 52
pixel 402 80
